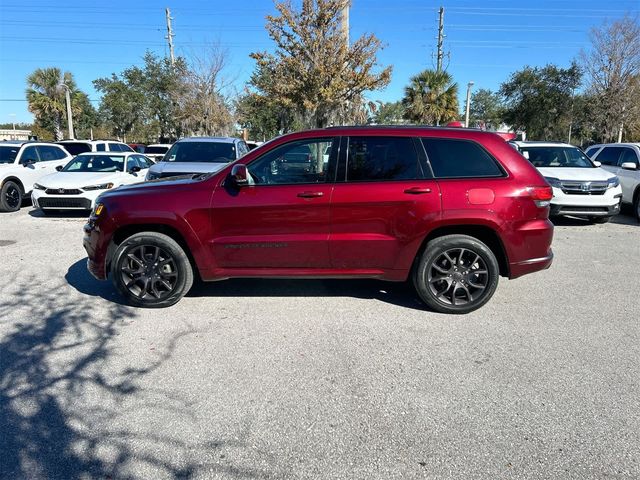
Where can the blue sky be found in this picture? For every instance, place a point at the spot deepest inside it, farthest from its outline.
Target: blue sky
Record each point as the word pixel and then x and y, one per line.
pixel 485 41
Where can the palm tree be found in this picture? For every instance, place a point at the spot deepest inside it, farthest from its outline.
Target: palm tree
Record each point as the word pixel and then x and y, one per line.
pixel 46 97
pixel 431 98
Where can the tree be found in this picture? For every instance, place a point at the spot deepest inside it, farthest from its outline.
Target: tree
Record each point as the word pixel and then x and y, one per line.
pixel 314 72
pixel 389 113
pixel 486 109
pixel 612 68
pixel 122 104
pixel 202 106
pixel 539 100
pixel 431 98
pixel 48 104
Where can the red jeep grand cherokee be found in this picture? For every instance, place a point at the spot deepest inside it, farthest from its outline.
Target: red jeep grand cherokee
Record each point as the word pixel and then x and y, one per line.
pixel 451 208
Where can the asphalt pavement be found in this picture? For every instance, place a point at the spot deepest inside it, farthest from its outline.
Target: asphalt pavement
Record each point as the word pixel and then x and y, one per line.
pixel 278 379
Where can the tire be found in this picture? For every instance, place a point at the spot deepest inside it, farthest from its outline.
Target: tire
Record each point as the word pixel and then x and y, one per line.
pixel 636 206
pixel 448 267
pixel 599 219
pixel 10 197
pixel 151 270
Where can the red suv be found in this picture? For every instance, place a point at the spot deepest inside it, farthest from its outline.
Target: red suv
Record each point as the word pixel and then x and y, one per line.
pixel 453 209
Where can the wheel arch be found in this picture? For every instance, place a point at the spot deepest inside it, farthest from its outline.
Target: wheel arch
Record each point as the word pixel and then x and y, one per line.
pixel 484 233
pixel 14 179
pixel 126 231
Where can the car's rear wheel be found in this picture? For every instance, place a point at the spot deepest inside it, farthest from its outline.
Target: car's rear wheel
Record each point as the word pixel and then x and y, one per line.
pixel 10 197
pixel 456 274
pixel 636 205
pixel 599 219
pixel 151 269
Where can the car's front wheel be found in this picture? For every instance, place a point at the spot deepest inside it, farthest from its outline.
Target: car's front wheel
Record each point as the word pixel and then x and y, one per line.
pixel 10 197
pixel 456 274
pixel 151 269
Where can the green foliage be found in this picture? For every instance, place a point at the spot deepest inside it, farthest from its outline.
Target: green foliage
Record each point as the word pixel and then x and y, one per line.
pixel 486 110
pixel 389 113
pixel 47 102
pixel 431 98
pixel 263 118
pixel 314 73
pixel 538 100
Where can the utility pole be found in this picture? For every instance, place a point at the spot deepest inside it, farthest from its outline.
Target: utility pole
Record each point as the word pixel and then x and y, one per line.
pixel 345 24
pixel 69 115
pixel 466 116
pixel 170 36
pixel 440 39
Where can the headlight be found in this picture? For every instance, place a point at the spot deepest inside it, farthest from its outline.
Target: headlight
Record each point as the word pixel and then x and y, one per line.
pixel 554 182
pixel 103 186
pixel 151 176
pixel 613 182
pixel 37 186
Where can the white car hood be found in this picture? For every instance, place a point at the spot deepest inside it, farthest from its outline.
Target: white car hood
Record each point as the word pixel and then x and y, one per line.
pixel 187 167
pixel 80 179
pixel 578 174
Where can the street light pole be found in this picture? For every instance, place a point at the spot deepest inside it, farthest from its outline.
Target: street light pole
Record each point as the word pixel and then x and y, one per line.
pixel 69 116
pixel 466 115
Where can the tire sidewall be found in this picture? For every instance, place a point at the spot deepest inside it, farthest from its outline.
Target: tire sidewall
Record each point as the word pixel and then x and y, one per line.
pixel 3 204
pixel 185 272
pixel 437 247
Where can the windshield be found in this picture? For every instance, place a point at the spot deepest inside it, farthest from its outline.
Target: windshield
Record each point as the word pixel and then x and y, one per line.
pixel 160 150
pixel 568 157
pixel 8 154
pixel 76 148
pixel 212 152
pixel 95 163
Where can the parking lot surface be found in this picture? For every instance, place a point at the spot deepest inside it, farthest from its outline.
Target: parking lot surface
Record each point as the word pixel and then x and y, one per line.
pixel 319 379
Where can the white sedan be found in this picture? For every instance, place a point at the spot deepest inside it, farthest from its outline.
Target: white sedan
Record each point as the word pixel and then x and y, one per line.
pixel 77 185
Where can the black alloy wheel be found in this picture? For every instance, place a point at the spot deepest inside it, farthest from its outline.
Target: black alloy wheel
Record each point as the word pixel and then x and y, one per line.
pixel 151 270
pixel 456 274
pixel 10 197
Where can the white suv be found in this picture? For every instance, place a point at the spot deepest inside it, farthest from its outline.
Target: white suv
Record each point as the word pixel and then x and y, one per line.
pixel 24 163
pixel 623 159
pixel 580 187
pixel 76 147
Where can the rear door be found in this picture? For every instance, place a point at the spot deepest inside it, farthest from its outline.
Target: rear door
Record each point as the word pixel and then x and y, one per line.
pixel 282 220
pixel 51 157
pixel 629 178
pixel 384 200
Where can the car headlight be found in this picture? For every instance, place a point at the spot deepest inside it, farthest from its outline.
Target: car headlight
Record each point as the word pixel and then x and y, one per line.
pixel 103 186
pixel 37 186
pixel 554 182
pixel 613 182
pixel 151 176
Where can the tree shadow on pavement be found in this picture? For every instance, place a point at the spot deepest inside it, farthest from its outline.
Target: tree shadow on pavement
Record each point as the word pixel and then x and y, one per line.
pixel 400 294
pixel 64 397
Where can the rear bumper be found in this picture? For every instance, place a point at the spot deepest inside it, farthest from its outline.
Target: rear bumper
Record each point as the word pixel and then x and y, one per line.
pixel 96 248
pixel 532 265
pixel 585 211
pixel 529 247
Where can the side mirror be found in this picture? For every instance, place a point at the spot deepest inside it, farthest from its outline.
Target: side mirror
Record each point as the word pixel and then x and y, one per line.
pixel 629 166
pixel 27 162
pixel 597 163
pixel 134 169
pixel 239 175
pixel 59 168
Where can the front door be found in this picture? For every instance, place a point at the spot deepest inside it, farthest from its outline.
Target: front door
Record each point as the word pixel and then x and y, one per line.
pixel 384 197
pixel 280 220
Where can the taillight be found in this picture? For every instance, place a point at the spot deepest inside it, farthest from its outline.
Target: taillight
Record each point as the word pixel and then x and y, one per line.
pixel 541 195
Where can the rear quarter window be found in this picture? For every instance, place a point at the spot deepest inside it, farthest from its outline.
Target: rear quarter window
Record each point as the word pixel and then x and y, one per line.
pixel 453 158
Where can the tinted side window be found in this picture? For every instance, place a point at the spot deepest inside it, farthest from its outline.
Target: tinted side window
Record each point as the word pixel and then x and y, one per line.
pixel 591 151
pixel 304 161
pixel 30 153
pixel 382 158
pixel 114 147
pixel 609 156
pixel 143 161
pixel 49 153
pixel 100 147
pixel 452 158
pixel 629 155
pixel 125 148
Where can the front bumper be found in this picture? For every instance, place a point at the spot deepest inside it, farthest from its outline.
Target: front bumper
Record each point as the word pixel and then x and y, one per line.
pixel 46 201
pixel 585 210
pixel 586 205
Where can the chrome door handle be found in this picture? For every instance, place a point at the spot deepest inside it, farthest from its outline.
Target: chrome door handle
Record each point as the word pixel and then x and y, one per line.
pixel 417 190
pixel 310 194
